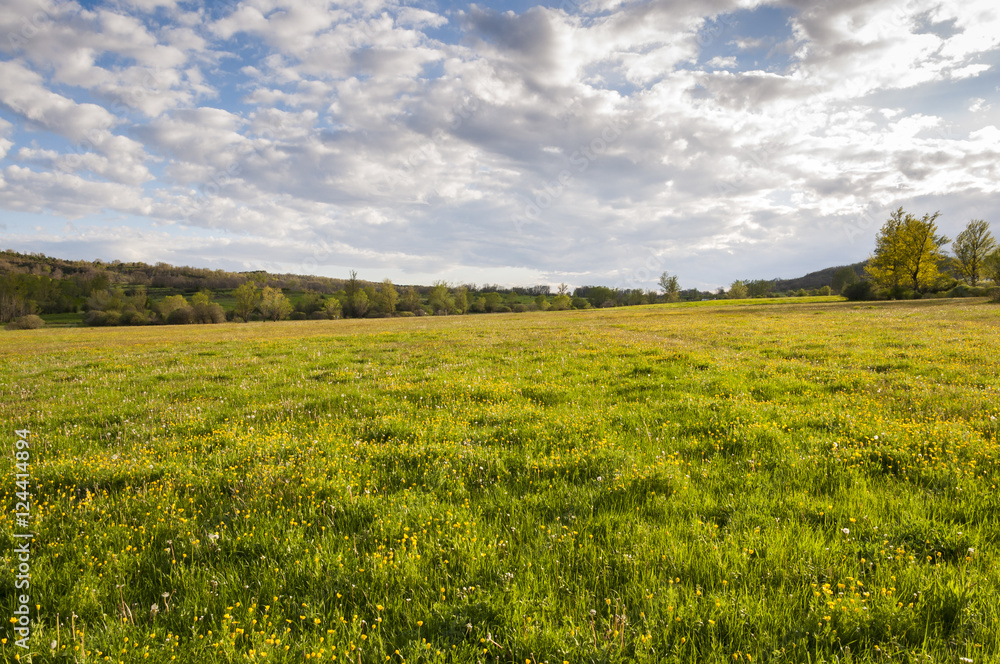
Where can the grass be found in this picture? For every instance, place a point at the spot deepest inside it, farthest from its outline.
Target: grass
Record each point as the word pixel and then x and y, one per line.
pixel 804 483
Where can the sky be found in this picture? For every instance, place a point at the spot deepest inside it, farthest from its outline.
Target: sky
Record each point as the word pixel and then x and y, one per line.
pixel 581 141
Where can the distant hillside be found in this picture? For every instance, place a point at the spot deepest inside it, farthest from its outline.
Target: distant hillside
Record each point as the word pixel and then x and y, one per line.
pixel 816 279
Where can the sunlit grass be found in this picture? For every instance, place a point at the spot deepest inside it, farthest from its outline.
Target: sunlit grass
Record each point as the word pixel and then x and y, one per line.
pixel 810 483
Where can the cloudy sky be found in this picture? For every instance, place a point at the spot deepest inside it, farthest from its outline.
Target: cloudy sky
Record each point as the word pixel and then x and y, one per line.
pixel 586 142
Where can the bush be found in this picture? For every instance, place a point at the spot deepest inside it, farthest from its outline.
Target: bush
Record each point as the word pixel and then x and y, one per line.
pixel 133 317
pixel 405 314
pixel 995 295
pixel 319 315
pixel 297 315
pixel 181 316
pixel 97 318
pixel 29 322
pixel 520 308
pixel 963 290
pixel 859 290
pixel 208 313
pixel 901 293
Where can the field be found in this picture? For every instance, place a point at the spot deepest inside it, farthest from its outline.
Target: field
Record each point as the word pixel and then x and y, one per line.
pixel 805 482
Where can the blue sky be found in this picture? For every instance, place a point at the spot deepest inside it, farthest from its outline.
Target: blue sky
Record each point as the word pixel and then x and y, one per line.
pixel 586 142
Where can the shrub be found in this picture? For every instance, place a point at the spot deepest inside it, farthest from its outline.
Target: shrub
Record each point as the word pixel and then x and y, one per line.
pixel 901 293
pixel 29 322
pixel 297 315
pixel 181 316
pixel 133 317
pixel 97 318
pixel 968 291
pixel 519 308
pixel 859 290
pixel 319 315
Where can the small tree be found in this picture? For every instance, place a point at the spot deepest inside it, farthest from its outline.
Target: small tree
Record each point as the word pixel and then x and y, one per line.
pixel 842 278
pixel 737 290
pixel 332 307
pixel 206 311
pixel 410 300
pixel 907 252
pixel 247 298
pixel 274 305
pixel 972 246
pixel 440 299
pixel 670 287
pixel 759 288
pixel 168 305
pixel 561 302
pixel 461 297
pixel 386 298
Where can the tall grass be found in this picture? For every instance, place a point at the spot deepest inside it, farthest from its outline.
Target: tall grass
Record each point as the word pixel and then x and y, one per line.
pixel 804 483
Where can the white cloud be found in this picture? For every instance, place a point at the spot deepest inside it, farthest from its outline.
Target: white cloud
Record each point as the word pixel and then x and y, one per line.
pixel 24 92
pixel 284 126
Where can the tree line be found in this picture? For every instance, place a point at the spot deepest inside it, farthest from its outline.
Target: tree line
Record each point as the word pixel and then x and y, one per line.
pixel 909 260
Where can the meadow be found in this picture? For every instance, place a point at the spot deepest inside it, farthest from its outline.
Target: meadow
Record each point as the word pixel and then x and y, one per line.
pixel 805 482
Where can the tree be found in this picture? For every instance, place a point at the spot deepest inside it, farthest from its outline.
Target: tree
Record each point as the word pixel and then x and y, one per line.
pixel 461 298
pixel 386 298
pixel 332 307
pixel 440 299
pixel 247 298
pixel 410 300
pixel 493 301
pixel 759 287
pixel 972 246
pixel 563 289
pixel 169 305
pixel 273 304
pixel 670 287
pixel 991 267
pixel 842 278
pixel 737 290
pixel 907 252
pixel 206 311
pixel 561 302
pixel 358 303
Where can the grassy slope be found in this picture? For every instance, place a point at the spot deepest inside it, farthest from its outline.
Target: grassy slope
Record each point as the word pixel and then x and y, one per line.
pixel 664 483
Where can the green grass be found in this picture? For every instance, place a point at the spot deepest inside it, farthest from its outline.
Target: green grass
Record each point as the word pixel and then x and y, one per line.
pixel 808 483
pixel 63 320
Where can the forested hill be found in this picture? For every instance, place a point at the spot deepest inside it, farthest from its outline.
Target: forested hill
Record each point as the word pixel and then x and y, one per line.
pixel 163 275
pixel 160 275
pixel 816 279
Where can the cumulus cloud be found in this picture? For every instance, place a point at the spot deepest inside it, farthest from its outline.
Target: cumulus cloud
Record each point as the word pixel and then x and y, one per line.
pixel 585 142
